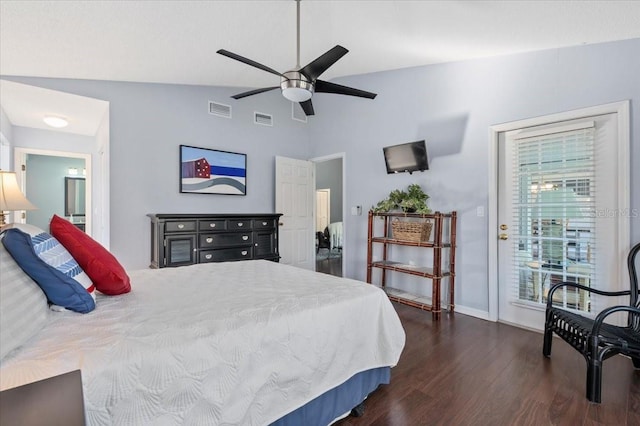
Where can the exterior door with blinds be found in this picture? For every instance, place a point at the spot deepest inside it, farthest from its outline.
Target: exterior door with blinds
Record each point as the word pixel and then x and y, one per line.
pixel 554 182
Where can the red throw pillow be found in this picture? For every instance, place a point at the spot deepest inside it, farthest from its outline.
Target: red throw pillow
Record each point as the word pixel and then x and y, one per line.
pixel 101 266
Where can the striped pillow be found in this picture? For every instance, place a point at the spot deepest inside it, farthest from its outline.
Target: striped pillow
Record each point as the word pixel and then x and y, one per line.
pixel 55 255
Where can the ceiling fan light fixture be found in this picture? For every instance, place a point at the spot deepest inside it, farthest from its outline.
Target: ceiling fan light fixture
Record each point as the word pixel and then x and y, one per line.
pixel 296 94
pixel 55 121
pixel 296 87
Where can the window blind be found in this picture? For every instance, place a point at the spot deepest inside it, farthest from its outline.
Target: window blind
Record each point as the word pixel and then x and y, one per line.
pixel 553 223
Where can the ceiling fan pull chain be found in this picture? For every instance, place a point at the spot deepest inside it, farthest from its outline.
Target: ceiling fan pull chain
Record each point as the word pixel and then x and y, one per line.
pixel 297 34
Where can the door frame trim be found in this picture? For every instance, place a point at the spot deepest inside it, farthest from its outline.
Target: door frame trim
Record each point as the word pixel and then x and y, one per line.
pixel 343 156
pixel 623 178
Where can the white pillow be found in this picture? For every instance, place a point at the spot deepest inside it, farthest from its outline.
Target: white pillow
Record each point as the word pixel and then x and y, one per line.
pixel 23 305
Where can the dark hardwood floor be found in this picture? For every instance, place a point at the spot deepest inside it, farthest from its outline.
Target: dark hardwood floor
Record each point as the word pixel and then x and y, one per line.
pixel 331 265
pixel 466 371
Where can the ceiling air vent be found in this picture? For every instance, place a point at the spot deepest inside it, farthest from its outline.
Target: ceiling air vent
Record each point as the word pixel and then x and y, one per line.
pixel 263 119
pixel 221 110
pixel 297 112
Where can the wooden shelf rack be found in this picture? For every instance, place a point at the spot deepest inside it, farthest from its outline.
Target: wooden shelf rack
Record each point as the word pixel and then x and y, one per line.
pixel 442 239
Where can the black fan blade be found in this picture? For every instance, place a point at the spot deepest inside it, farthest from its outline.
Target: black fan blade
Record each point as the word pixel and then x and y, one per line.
pixel 248 61
pixel 307 107
pixel 322 63
pixel 254 92
pixel 326 87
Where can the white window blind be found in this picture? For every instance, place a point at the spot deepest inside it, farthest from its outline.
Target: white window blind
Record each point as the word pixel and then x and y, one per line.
pixel 554 221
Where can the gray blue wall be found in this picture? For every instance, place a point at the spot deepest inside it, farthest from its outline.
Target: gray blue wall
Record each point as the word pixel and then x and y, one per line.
pixel 452 106
pixel 148 122
pixel 6 129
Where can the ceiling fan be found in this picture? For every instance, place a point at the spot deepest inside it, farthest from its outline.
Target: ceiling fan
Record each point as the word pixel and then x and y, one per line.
pixel 298 85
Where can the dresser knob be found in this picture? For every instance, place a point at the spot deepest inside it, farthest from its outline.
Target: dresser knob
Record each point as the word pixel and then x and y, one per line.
pixel 212 225
pixel 180 226
pixel 209 240
pixel 264 223
pixel 244 252
pixel 245 237
pixel 208 256
pixel 240 224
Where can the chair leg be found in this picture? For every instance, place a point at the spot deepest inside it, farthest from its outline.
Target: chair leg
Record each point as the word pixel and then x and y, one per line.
pixel 548 338
pixel 594 380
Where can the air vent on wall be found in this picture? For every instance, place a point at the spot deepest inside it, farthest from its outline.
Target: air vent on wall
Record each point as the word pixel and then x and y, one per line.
pixel 263 119
pixel 221 110
pixel 297 113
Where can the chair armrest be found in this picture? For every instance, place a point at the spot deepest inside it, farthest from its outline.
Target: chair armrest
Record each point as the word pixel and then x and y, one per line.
pixel 583 287
pixel 597 323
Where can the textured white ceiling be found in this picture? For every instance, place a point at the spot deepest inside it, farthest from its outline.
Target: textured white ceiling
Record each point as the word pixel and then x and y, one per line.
pixel 175 41
pixel 26 106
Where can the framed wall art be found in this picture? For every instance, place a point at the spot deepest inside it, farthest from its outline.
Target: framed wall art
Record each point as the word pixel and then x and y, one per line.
pixel 211 171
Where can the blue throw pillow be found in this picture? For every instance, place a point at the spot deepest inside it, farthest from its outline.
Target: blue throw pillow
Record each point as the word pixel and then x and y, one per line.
pixel 60 289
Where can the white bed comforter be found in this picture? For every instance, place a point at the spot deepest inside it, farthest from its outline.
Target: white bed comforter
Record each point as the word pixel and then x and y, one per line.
pixel 240 343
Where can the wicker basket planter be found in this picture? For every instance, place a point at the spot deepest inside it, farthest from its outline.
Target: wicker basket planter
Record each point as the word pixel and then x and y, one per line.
pixel 411 231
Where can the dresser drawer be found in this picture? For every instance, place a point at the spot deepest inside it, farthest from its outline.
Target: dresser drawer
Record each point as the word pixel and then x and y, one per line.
pixel 217 225
pixel 264 223
pixel 239 224
pixel 225 239
pixel 221 255
pixel 180 226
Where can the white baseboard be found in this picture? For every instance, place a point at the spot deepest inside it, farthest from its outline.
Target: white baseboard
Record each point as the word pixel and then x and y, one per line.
pixel 472 312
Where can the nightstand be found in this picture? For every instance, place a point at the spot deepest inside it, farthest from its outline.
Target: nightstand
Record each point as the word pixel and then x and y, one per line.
pixel 54 401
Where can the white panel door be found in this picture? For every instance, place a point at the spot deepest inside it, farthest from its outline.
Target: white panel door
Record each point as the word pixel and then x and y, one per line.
pixel 295 189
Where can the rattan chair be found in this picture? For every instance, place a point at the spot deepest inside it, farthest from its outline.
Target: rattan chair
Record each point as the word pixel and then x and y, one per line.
pixel 593 338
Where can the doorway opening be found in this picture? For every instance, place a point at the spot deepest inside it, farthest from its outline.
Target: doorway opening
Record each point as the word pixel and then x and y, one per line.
pixel 329 214
pixel 86 137
pixel 57 183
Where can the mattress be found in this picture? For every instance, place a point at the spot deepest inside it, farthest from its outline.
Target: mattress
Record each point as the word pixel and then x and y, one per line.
pixel 222 343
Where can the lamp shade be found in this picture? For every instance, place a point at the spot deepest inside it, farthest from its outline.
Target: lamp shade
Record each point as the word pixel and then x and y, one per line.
pixel 11 197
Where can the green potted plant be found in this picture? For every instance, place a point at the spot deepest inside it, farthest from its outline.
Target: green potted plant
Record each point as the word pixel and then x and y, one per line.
pixel 413 200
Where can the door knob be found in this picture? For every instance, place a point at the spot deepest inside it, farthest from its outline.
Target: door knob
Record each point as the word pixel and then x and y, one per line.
pixel 503 227
pixel 503 236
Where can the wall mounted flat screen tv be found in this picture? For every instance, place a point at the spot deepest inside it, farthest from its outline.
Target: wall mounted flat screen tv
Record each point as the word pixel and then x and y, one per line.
pixel 407 157
pixel 210 171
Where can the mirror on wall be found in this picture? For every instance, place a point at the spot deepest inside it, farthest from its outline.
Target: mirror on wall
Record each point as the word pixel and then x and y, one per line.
pixel 74 196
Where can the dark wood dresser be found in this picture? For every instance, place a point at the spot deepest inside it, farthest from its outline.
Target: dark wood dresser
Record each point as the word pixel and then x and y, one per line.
pixel 187 239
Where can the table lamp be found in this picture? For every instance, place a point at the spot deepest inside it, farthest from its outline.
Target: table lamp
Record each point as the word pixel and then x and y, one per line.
pixel 11 198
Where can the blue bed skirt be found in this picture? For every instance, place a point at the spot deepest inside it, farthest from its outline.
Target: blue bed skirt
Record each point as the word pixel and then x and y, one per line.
pixel 322 410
